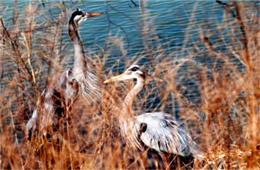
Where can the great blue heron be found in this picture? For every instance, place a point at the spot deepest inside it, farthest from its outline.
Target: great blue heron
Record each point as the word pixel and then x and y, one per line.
pixel 63 89
pixel 156 130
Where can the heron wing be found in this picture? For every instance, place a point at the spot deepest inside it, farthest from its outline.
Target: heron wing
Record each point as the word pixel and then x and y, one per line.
pixel 164 134
pixel 50 99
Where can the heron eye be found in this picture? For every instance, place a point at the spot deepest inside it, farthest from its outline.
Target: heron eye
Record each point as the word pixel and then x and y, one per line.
pixel 135 68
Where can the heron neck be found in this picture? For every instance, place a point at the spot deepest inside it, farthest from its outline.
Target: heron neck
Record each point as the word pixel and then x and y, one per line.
pixel 80 64
pixel 129 99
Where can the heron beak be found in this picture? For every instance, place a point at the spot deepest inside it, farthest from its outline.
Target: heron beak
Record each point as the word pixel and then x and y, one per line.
pixel 123 76
pixel 94 14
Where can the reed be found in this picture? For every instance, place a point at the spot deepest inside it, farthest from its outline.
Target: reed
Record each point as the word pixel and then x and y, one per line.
pixel 218 102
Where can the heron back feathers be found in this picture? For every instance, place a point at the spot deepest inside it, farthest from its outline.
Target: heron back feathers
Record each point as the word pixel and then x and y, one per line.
pixel 163 134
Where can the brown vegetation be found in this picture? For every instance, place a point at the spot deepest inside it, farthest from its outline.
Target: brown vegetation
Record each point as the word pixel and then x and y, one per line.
pixel 224 118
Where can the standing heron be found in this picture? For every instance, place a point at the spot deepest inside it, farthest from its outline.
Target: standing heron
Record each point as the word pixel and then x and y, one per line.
pixel 156 130
pixel 65 88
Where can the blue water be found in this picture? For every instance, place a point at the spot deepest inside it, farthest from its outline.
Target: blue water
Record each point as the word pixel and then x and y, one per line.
pixel 169 23
pixel 169 19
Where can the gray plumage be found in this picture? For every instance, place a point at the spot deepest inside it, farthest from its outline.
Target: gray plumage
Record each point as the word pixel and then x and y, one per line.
pixel 157 130
pixel 64 89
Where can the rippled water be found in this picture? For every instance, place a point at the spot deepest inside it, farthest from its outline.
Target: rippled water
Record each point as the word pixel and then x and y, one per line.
pixel 168 20
pixel 171 19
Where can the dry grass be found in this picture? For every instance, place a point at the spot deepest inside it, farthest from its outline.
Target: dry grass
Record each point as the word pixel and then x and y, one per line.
pixel 223 116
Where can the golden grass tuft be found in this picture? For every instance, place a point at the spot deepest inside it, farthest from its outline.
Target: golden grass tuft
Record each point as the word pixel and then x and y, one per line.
pixel 223 116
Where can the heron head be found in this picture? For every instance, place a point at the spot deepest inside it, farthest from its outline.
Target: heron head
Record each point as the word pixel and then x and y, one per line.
pixel 133 72
pixel 78 16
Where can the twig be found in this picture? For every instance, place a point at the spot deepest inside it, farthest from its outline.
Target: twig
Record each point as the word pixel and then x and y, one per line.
pixel 15 48
pixel 111 22
pixel 237 15
pixel 227 7
pixel 133 2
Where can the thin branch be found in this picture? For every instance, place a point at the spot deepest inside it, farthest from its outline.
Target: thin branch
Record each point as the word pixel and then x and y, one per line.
pixel 133 2
pixel 235 13
pixel 227 7
pixel 14 47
